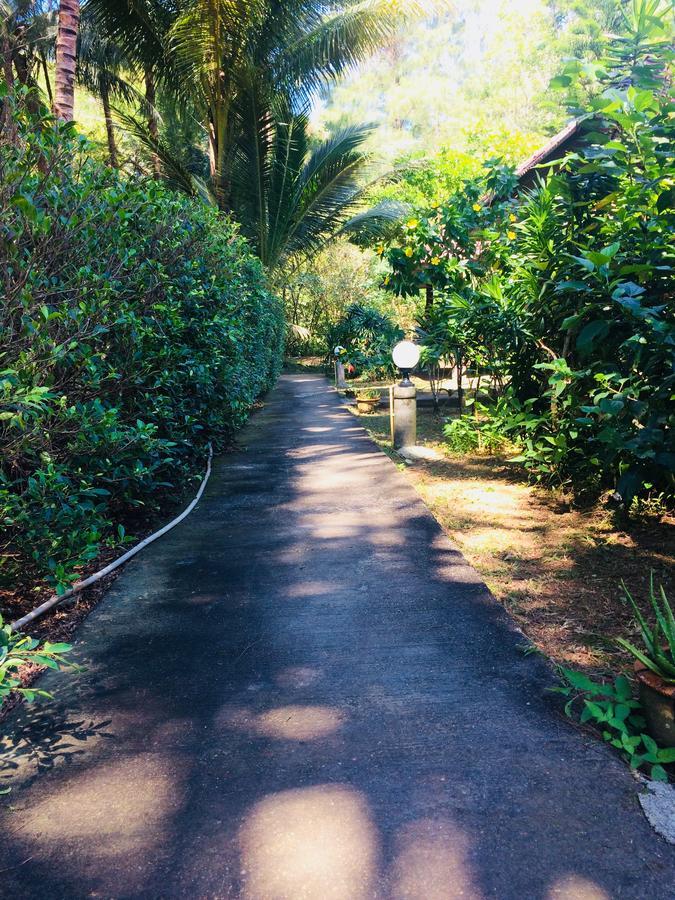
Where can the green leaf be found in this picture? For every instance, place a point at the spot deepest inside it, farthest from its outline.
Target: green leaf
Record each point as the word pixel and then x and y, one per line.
pixel 57 648
pixel 589 334
pixel 623 688
pixel 26 205
pixel 666 755
pixel 622 712
pixel 650 744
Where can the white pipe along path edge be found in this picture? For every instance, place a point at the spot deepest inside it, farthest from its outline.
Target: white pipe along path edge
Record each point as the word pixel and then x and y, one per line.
pixel 92 579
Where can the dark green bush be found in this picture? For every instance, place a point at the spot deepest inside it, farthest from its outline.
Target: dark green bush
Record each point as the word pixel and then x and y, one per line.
pixel 564 292
pixel 135 327
pixel 368 337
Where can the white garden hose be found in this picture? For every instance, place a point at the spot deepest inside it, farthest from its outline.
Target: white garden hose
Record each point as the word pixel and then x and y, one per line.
pixel 92 579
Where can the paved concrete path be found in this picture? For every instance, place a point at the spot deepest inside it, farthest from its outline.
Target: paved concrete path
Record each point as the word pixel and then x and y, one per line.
pixel 304 693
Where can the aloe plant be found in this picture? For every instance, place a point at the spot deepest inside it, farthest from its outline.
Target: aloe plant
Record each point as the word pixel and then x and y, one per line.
pixel 659 641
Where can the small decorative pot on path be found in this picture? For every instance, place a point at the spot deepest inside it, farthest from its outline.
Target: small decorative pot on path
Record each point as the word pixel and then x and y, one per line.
pixel 658 699
pixel 367 404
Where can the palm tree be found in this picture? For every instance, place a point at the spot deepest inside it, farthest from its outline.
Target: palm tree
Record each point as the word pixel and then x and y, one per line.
pixel 66 58
pixel 100 63
pixel 247 70
pixel 291 199
pixel 27 29
pixel 257 49
pixel 213 52
pixel 139 30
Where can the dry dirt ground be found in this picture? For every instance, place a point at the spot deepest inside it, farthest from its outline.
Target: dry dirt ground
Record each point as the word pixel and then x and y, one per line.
pixel 555 568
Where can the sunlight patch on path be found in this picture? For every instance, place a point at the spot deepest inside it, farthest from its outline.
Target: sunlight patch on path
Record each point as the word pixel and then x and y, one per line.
pixel 433 863
pixel 315 843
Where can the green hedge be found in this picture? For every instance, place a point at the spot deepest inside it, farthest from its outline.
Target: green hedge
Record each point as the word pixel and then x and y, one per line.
pixel 135 327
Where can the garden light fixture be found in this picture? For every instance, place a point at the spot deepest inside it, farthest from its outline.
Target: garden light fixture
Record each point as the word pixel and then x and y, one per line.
pixel 403 396
pixel 340 382
pixel 406 355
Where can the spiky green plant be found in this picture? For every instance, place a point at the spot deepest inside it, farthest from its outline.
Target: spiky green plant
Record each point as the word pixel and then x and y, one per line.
pixel 659 640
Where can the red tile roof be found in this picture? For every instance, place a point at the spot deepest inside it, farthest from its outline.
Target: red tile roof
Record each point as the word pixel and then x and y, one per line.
pixel 545 153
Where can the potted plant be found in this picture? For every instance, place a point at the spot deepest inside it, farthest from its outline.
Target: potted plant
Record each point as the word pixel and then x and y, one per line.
pixel 655 665
pixel 368 400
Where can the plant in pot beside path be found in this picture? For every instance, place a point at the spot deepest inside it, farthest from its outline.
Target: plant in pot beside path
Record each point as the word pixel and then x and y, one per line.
pixel 655 665
pixel 367 401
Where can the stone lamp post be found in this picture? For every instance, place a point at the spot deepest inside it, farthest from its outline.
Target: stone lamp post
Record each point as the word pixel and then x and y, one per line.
pixel 406 355
pixel 340 380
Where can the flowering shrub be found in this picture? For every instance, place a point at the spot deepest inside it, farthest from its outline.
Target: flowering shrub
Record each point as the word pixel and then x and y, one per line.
pixel 564 293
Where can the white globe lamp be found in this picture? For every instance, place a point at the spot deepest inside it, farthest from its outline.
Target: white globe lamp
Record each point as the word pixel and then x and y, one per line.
pixel 406 355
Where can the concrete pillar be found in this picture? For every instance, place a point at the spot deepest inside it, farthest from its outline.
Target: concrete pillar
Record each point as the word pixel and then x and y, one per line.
pixel 340 380
pixel 405 416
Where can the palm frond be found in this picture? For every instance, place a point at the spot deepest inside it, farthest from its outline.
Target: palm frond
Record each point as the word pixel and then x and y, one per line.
pixel 173 171
pixel 329 188
pixel 100 63
pixel 250 167
pixel 290 153
pixel 340 39
pixel 139 28
pixel 377 223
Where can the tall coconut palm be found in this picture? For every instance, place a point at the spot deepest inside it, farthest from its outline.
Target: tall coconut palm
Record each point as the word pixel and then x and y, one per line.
pixel 213 51
pixel 139 29
pixel 226 49
pixel 27 30
pixel 247 69
pixel 66 59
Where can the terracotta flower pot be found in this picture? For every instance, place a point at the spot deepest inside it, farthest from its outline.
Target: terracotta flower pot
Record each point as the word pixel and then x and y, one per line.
pixel 658 700
pixel 367 404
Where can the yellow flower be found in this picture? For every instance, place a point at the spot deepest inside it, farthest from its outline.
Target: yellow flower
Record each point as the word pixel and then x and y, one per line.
pixel 379 249
pixel 511 235
pixel 513 218
pixel 435 204
pixel 435 260
pixel 477 207
pixel 412 223
pixel 386 279
pixel 408 251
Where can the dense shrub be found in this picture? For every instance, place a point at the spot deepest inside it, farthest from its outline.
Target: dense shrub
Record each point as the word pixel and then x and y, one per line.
pixel 368 337
pixel 565 293
pixel 136 326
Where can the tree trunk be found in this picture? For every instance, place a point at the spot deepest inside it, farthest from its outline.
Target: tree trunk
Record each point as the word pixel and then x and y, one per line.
pixel 21 58
pixel 151 97
pixel 460 378
pixel 110 131
pixel 428 297
pixel 7 126
pixel 222 184
pixel 48 83
pixel 66 58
